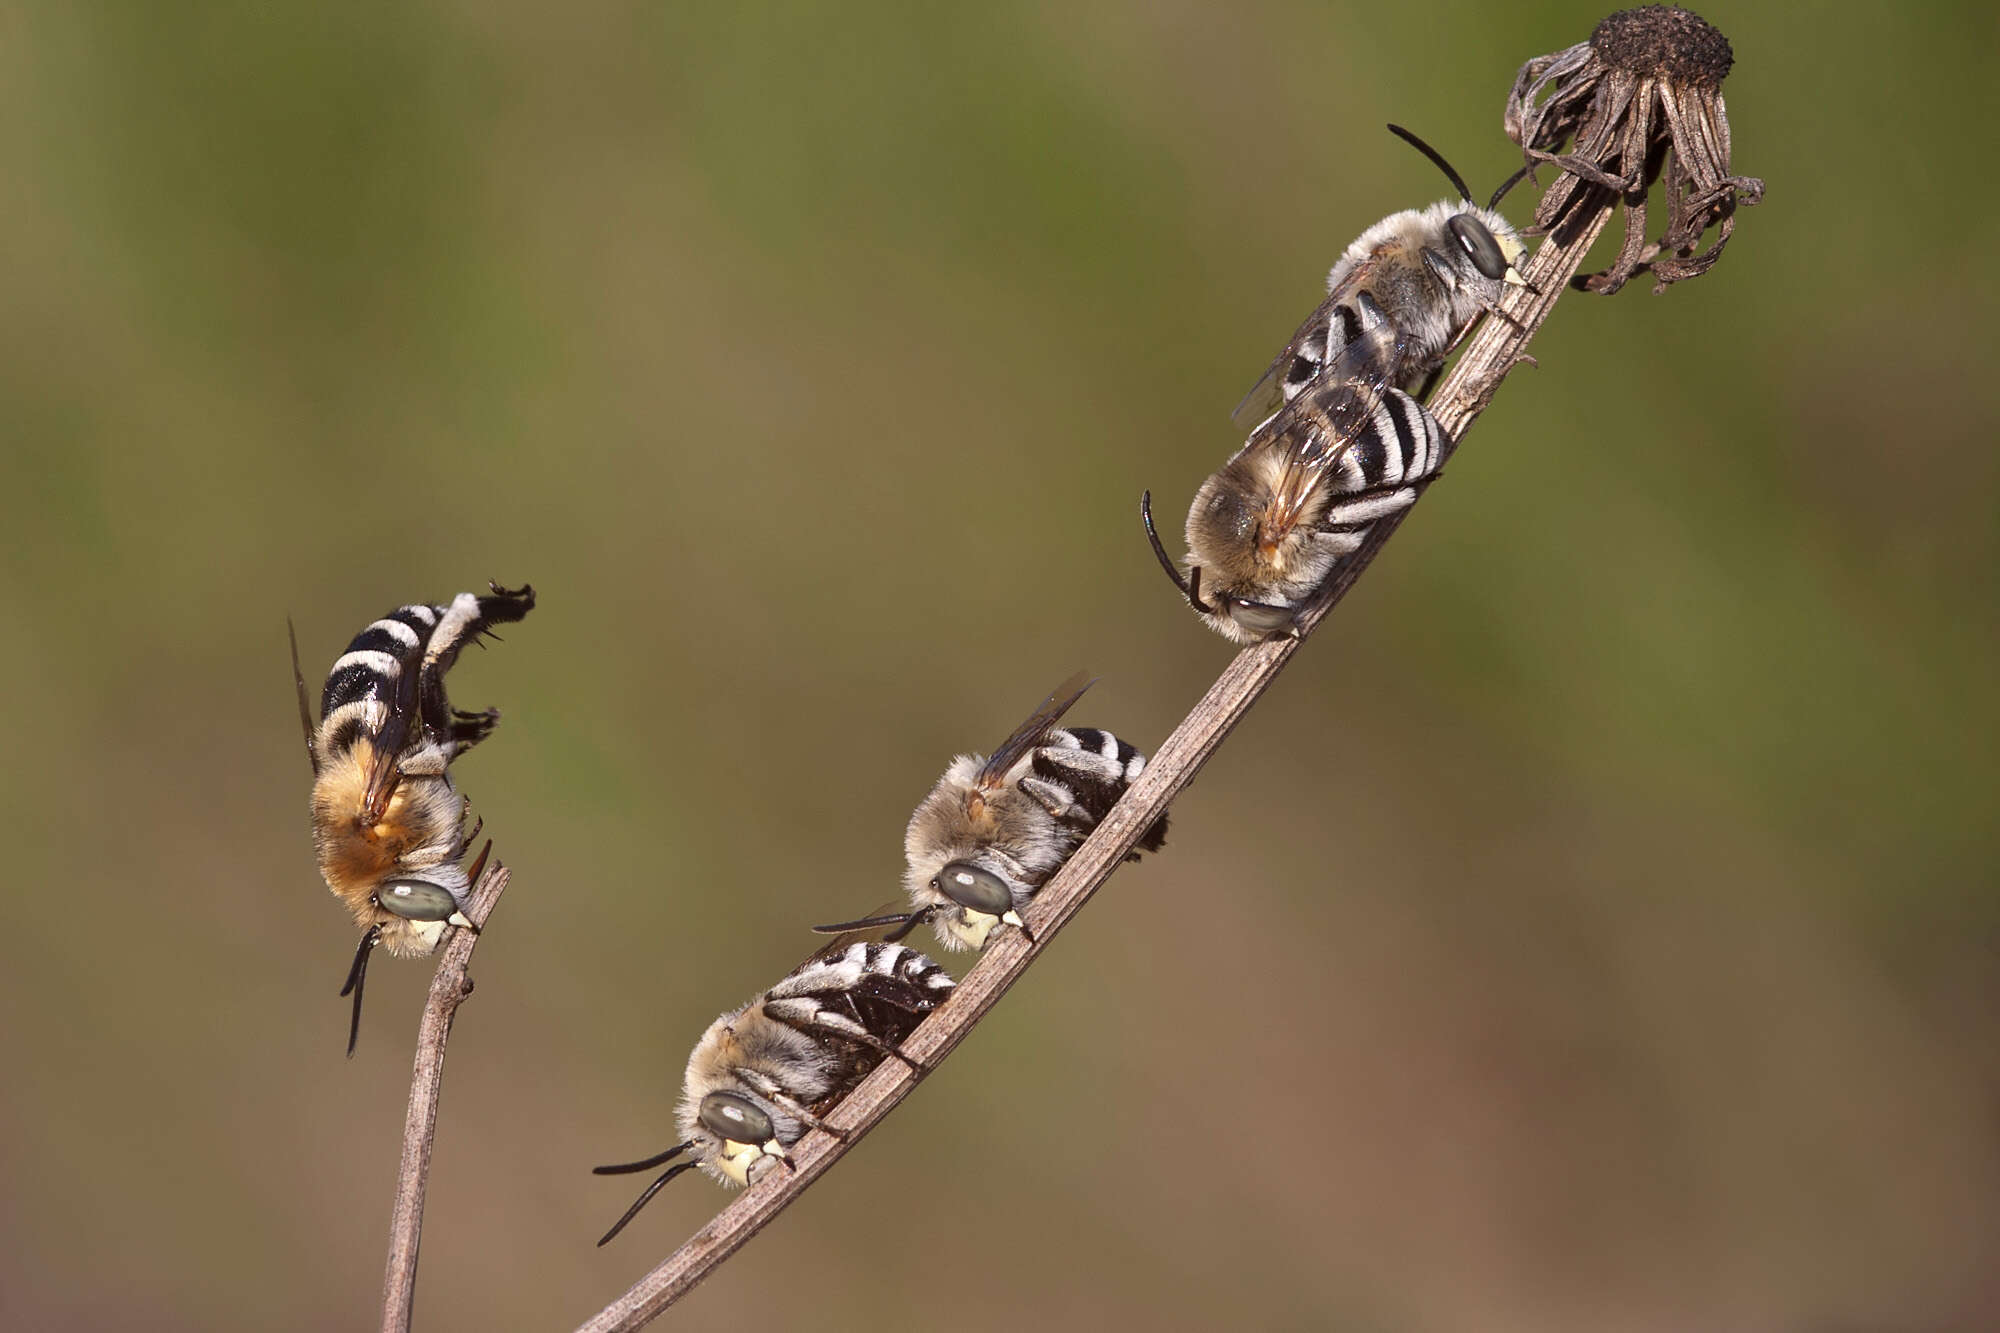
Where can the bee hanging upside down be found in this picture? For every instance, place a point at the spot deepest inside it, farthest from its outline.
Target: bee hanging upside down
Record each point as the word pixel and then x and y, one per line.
pixel 993 830
pixel 764 1074
pixel 388 826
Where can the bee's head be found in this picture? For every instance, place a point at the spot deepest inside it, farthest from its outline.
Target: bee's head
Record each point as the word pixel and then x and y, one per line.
pixel 735 1136
pixel 416 908
pixel 975 896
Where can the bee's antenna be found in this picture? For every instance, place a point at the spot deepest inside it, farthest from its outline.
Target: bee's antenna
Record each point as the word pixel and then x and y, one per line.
pixel 1189 587
pixel 1506 185
pixel 1457 180
pixel 645 1198
pixel 357 977
pixel 627 1168
pixel 909 921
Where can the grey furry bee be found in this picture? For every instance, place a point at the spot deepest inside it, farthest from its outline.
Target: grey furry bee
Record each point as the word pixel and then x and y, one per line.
pixel 764 1074
pixel 388 826
pixel 994 830
pixel 1428 272
pixel 1266 530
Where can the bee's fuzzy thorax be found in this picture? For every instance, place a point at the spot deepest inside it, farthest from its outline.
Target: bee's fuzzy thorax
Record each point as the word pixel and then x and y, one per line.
pixel 419 830
pixel 963 821
pixel 1429 310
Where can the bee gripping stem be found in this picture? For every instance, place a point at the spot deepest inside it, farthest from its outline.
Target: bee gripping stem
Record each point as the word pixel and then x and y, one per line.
pixel 449 987
pixel 1489 355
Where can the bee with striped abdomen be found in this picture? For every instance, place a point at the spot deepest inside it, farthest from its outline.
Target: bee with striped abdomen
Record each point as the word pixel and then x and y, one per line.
pixel 1266 531
pixel 994 829
pixel 388 826
pixel 764 1074
pixel 1427 272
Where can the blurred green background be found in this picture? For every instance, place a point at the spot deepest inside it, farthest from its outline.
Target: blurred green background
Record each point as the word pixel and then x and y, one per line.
pixel 1604 900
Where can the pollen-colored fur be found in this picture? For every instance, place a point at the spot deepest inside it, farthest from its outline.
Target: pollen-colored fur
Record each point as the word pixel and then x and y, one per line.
pixel 418 830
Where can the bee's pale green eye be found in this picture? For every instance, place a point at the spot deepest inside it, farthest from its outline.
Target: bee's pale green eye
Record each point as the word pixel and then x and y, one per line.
pixel 1260 617
pixel 728 1116
pixel 969 886
pixel 1479 245
pixel 416 900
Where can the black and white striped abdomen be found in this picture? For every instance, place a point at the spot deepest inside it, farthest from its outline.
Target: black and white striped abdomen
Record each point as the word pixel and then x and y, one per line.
pixel 1094 768
pixel 867 991
pixel 364 684
pixel 1094 740
pixel 865 965
pixel 1400 447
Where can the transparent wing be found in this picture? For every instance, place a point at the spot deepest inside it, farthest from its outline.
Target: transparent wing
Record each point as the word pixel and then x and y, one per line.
pixel 1029 734
pixel 1305 357
pixel 305 706
pixel 1314 431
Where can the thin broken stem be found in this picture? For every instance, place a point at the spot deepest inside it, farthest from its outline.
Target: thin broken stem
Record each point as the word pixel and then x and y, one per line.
pixel 449 988
pixel 1494 351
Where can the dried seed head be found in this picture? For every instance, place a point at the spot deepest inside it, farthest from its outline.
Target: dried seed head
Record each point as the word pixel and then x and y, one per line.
pixel 1665 43
pixel 1640 101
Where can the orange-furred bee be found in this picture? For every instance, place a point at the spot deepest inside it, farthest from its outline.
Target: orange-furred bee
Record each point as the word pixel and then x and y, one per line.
pixel 388 826
pixel 993 830
pixel 764 1074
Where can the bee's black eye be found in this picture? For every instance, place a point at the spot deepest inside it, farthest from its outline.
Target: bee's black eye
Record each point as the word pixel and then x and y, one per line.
pixel 416 900
pixel 729 1116
pixel 1478 244
pixel 1261 617
pixel 969 886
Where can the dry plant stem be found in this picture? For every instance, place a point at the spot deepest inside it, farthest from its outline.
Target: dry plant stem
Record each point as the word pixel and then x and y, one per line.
pixel 449 987
pixel 1493 351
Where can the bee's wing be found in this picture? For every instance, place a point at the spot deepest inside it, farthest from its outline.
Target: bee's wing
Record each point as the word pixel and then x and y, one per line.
pixel 1316 429
pixel 1029 734
pixel 1304 359
pixel 305 706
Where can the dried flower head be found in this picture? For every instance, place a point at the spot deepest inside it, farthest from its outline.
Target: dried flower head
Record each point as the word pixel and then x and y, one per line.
pixel 1648 81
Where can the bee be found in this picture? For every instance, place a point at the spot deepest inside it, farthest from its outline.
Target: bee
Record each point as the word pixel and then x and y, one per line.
pixel 1268 528
pixel 388 826
pixel 764 1074
pixel 994 830
pixel 1429 272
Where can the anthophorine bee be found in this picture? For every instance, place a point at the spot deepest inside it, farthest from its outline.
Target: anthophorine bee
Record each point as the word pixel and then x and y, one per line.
pixel 1428 272
pixel 764 1074
pixel 389 827
pixel 1266 531
pixel 993 830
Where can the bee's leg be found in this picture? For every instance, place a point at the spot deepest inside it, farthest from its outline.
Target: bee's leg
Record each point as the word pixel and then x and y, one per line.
pixel 1094 779
pixel 1497 313
pixel 467 836
pixel 468 729
pixel 809 1015
pixel 769 1088
pixel 1055 798
pixel 1423 395
pixel 469 617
